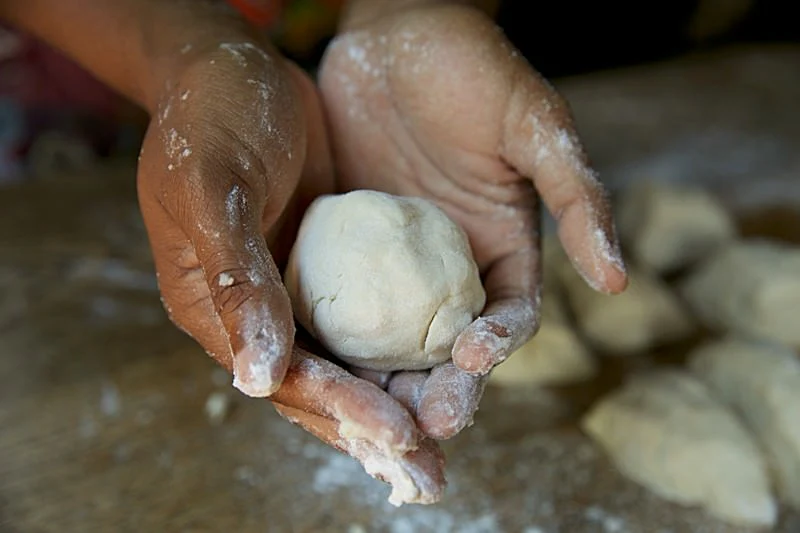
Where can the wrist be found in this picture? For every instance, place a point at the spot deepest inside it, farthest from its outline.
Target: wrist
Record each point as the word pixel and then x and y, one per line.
pixel 360 13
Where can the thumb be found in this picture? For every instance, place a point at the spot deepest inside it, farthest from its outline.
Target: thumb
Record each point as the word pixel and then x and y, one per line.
pixel 218 279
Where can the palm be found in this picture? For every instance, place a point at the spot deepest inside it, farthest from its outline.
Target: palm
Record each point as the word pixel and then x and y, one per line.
pixel 404 124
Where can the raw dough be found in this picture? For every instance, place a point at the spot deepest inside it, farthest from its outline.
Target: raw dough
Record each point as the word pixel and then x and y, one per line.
pixel 666 431
pixel 556 355
pixel 751 287
pixel 665 227
pixel 644 316
pixel 383 282
pixel 760 381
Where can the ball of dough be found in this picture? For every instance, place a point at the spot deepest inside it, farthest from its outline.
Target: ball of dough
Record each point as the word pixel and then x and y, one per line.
pixel 383 282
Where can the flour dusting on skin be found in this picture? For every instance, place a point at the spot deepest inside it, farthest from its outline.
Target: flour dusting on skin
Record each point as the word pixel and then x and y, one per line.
pixel 254 366
pixel 238 51
pixel 403 487
pixel 259 267
pixel 244 162
pixel 164 112
pixel 493 337
pixel 450 398
pixel 265 95
pixel 264 345
pixel 235 202
pixel 361 75
pixel 265 103
pixel 561 146
pixel 177 148
pixel 348 403
pixel 388 440
pixel 409 483
pixel 609 248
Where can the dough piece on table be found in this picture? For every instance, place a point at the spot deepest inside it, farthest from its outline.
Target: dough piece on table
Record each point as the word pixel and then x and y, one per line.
pixel 760 381
pixel 556 355
pixel 666 431
pixel 665 227
pixel 645 315
pixel 383 282
pixel 751 288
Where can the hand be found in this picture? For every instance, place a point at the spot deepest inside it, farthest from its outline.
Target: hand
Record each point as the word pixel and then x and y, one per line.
pixel 435 102
pixel 219 176
pixel 235 152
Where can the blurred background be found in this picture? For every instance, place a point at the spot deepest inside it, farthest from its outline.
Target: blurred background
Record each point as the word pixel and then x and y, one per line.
pixel 53 113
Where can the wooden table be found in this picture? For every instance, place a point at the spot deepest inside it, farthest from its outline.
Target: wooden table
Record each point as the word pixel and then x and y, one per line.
pixel 103 422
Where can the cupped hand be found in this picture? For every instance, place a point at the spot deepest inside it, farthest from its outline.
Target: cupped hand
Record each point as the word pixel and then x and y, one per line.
pixel 435 102
pixel 233 155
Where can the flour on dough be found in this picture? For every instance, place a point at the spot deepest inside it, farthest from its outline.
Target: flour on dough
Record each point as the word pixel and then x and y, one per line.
pixel 666 431
pixel 383 282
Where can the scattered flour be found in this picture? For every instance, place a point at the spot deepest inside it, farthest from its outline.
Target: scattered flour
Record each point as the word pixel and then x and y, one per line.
pixel 217 407
pixel 110 400
pixel 609 523
pixel 177 148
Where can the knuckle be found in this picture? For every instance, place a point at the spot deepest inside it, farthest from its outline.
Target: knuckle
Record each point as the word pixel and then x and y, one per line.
pixel 230 290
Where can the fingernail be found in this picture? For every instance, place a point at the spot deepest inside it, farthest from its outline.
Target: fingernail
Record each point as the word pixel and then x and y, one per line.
pixel 259 368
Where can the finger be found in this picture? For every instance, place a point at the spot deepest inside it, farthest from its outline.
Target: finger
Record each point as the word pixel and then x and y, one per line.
pixel 207 238
pixel 406 388
pixel 511 316
pixel 245 287
pixel 541 143
pixel 359 408
pixel 415 477
pixel 448 401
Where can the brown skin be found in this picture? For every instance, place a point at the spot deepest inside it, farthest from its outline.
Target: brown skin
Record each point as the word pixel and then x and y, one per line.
pixel 238 145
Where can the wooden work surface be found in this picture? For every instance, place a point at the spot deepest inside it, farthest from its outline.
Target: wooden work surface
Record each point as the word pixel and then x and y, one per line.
pixel 102 402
